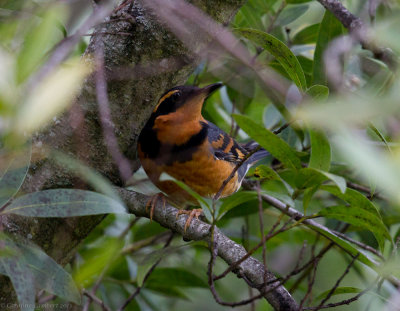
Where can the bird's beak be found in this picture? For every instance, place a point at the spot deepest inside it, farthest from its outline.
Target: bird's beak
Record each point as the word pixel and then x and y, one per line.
pixel 209 89
pixel 195 103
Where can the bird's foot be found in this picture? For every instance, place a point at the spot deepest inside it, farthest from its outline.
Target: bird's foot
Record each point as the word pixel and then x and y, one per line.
pixel 197 212
pixel 152 202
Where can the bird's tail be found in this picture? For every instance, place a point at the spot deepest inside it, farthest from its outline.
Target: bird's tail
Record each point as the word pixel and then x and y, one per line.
pixel 258 155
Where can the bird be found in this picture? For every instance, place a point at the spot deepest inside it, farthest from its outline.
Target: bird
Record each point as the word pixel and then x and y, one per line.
pixel 178 141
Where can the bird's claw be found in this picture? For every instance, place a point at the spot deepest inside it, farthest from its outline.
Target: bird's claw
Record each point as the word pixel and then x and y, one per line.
pixel 152 202
pixel 192 213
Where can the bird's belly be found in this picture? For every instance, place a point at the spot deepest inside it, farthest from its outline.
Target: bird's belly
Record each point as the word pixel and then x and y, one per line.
pixel 203 174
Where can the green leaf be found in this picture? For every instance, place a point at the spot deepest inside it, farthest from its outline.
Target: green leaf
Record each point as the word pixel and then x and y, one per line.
pixel 291 13
pixel 307 35
pixel 361 213
pixel 45 272
pixel 63 203
pixel 338 180
pixel 359 217
pixel 167 290
pixel 86 173
pixel 13 174
pixel 269 141
pixel 147 230
pixel 329 28
pixel 49 275
pixel 96 259
pixel 271 117
pixel 22 281
pixel 175 277
pixel 379 134
pixel 307 196
pixel 318 92
pixel 345 246
pixel 354 198
pixel 320 151
pixel 266 172
pixel 235 200
pixel 338 291
pixel 205 204
pixel 309 177
pixel 280 51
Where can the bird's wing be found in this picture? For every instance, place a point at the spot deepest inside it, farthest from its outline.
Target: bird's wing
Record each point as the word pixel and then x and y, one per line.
pixel 227 149
pixel 224 147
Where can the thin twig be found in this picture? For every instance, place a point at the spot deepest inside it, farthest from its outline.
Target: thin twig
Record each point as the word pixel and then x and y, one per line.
pixel 332 291
pixel 346 301
pixel 359 244
pixel 365 189
pixel 96 300
pixel 311 279
pixel 139 288
pixel 213 256
pixel 283 127
pixel 358 30
pixel 142 243
pixel 103 272
pixel 276 15
pixel 260 216
pixel 254 249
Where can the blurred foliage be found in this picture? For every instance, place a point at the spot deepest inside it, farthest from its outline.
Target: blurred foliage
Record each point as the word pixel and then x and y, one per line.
pixel 336 159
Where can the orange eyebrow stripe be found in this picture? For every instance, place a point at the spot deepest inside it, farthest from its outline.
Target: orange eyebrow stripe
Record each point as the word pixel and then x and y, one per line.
pixel 164 98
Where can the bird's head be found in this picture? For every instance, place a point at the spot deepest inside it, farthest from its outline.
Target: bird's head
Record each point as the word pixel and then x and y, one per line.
pixel 184 100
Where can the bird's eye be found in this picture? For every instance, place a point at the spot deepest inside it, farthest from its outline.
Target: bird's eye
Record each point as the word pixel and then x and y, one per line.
pixel 176 95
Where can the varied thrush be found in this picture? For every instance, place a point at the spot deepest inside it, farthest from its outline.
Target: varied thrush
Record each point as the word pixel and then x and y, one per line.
pixel 177 140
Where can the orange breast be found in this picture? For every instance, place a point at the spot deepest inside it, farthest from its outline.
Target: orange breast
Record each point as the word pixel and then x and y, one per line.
pixel 203 173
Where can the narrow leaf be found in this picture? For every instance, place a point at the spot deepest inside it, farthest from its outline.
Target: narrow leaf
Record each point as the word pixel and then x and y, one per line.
pixel 13 174
pixel 310 177
pixel 307 35
pixel 354 198
pixel 320 151
pixel 280 51
pixel 267 173
pixel 357 216
pixel 204 203
pixel 291 13
pixel 271 142
pixel 308 194
pixel 22 281
pixel 338 291
pixel 235 200
pixel 345 246
pixel 63 203
pixel 318 92
pixel 329 28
